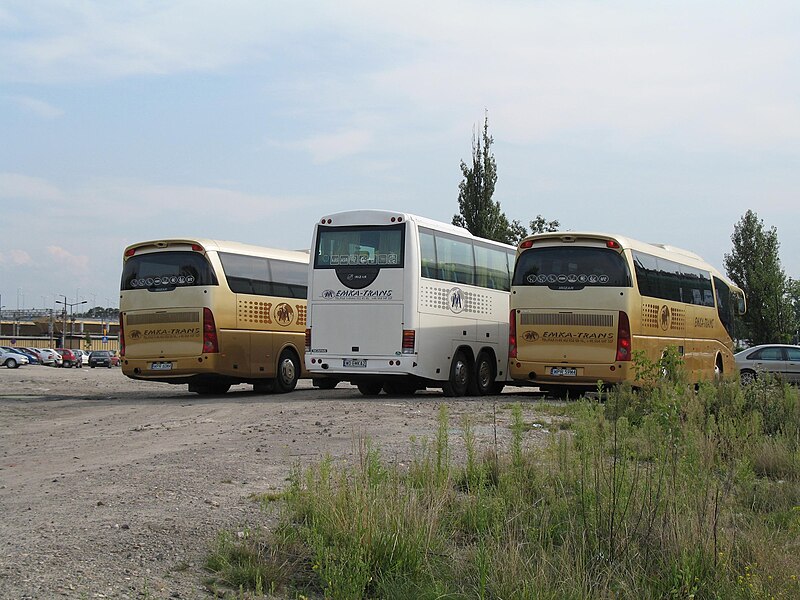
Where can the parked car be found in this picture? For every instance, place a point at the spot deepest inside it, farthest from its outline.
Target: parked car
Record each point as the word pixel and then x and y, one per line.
pixel 100 358
pixel 33 358
pixel 781 360
pixel 11 359
pixel 48 356
pixel 69 358
pixel 83 355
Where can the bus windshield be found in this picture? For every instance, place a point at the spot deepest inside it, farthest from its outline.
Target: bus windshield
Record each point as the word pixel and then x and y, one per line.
pixel 161 271
pixel 571 268
pixel 372 246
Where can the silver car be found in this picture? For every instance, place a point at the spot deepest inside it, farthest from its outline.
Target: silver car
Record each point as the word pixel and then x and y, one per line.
pixel 11 359
pixel 780 360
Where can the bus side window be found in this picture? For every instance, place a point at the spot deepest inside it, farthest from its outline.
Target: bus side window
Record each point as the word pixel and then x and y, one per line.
pixel 427 253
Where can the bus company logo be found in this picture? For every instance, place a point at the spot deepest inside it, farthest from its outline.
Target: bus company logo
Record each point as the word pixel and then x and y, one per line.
pixel 328 294
pixel 665 317
pixel 456 300
pixel 135 334
pixel 530 336
pixel 284 314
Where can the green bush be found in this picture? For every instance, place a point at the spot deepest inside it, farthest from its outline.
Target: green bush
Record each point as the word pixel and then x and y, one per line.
pixel 657 492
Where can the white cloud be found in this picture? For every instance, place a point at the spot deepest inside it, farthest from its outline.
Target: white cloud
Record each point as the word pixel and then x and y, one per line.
pixel 329 147
pixel 76 263
pixel 40 108
pixel 23 187
pixel 15 257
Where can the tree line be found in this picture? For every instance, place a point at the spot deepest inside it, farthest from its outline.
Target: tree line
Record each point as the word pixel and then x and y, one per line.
pixel 753 264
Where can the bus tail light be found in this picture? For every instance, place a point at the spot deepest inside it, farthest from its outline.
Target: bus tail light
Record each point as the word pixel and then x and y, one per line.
pixel 210 342
pixel 308 339
pixel 526 244
pixel 623 338
pixel 121 337
pixel 409 338
pixel 512 335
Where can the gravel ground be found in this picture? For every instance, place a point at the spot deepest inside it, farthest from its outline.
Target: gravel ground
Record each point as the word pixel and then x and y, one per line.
pixel 114 488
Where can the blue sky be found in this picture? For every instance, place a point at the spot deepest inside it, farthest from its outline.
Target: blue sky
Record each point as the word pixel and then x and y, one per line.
pixel 248 120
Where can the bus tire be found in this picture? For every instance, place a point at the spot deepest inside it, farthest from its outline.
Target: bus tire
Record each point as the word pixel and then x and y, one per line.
pixel 288 372
pixel 459 381
pixel 325 383
pixel 369 388
pixel 482 380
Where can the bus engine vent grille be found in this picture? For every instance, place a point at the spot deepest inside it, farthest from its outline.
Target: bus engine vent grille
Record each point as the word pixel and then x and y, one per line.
pixel 254 311
pixel 165 317
pixel 579 319
pixel 441 298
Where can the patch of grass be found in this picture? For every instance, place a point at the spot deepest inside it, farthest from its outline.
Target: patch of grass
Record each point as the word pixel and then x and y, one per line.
pixel 658 492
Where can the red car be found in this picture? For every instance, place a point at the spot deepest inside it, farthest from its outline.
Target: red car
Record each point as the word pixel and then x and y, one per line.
pixel 70 358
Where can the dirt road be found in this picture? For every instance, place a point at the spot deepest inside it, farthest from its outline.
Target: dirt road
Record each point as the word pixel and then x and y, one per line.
pixel 113 488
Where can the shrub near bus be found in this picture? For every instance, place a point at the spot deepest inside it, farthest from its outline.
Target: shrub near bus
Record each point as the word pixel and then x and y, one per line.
pixel 211 314
pixel 583 303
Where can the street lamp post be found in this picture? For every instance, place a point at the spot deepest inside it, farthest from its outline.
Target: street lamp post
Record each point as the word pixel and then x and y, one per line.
pixel 70 305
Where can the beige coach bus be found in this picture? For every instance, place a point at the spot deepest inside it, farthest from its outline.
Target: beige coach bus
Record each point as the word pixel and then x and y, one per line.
pixel 211 314
pixel 583 303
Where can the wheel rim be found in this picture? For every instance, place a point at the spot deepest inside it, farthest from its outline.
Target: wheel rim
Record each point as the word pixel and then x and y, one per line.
pixel 484 375
pixel 287 370
pixel 460 373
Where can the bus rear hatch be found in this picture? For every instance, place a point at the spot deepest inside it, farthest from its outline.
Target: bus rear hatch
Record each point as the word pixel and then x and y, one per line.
pixel 164 332
pixel 363 329
pixel 555 336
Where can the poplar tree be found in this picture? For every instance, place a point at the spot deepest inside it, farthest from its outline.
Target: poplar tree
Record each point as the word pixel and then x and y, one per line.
pixel 478 212
pixel 754 265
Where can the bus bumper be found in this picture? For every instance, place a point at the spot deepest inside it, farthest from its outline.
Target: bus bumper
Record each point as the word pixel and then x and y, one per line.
pixel 578 374
pixel 346 368
pixel 180 370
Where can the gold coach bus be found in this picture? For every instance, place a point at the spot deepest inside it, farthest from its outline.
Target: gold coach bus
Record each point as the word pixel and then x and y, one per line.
pixel 583 303
pixel 210 314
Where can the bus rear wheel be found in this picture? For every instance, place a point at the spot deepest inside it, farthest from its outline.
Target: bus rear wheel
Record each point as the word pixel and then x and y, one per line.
pixel 370 388
pixel 459 381
pixel 482 381
pixel 288 372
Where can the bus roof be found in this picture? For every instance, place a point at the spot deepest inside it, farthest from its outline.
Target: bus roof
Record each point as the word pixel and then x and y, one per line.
pixel 665 251
pixel 184 243
pixel 379 216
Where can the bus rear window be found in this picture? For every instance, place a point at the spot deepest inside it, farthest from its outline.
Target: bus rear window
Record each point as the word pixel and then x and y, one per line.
pixel 572 268
pixel 368 246
pixel 163 271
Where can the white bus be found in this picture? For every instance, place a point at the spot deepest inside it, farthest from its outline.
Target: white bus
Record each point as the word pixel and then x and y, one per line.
pixel 398 303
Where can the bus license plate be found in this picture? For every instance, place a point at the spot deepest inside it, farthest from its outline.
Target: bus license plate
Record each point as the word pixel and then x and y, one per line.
pixel 355 362
pixel 161 366
pixel 563 372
